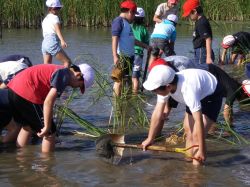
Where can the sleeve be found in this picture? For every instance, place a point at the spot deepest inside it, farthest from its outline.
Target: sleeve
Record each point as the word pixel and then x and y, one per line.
pixel 203 30
pixel 158 11
pixel 162 99
pixel 117 26
pixel 60 79
pixel 55 20
pixel 173 36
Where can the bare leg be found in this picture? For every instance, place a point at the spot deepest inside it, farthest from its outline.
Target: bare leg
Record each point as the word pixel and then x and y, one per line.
pixel 117 88
pixel 47 59
pixel 48 144
pixel 233 57
pixel 23 136
pixel 63 57
pixel 135 82
pixel 13 130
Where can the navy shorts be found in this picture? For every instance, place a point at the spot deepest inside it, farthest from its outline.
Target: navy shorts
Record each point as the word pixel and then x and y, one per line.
pixel 211 105
pixel 27 113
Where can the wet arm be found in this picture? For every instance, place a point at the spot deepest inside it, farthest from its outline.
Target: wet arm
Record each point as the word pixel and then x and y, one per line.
pixel 223 56
pixel 155 125
pixel 59 34
pixel 114 48
pixel 209 50
pixel 141 44
pixel 48 111
pixel 157 19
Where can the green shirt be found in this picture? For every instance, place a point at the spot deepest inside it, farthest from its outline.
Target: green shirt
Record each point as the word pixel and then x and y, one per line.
pixel 141 34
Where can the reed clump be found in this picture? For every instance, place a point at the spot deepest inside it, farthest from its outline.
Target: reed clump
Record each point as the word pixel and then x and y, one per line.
pixel 30 13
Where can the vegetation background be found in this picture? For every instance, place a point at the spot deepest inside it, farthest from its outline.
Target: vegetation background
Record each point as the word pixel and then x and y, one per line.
pixel 30 13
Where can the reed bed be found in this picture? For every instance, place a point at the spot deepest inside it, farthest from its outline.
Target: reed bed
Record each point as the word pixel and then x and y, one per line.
pixel 29 13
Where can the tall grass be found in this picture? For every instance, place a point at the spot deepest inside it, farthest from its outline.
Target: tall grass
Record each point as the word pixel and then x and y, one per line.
pixel 29 13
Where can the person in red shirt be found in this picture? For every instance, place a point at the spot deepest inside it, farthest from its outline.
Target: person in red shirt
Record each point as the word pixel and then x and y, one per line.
pixel 34 91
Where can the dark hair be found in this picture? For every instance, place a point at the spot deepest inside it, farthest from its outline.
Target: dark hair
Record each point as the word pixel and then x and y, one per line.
pixel 155 51
pixel 199 10
pixel 124 10
pixel 75 68
pixel 174 82
pixel 173 23
pixel 138 20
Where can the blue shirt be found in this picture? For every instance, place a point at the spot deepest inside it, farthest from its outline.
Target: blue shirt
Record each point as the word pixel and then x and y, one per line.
pixel 126 42
pixel 165 30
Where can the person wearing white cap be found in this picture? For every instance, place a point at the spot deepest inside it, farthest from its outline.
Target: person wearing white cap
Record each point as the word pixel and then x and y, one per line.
pixel 164 35
pixel 164 9
pixel 240 45
pixel 202 95
pixel 34 91
pixel 142 35
pixel 53 40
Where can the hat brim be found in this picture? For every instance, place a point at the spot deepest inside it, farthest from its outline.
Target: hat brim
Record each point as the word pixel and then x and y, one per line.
pixel 225 46
pixel 150 86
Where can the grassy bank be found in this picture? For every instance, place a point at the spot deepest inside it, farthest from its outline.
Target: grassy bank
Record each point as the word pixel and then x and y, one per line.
pixel 29 13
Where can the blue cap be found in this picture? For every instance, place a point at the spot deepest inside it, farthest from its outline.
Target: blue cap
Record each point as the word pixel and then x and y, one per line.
pixel 248 70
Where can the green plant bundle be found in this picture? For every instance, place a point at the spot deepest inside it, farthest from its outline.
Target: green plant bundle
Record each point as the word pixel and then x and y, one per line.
pixel 30 13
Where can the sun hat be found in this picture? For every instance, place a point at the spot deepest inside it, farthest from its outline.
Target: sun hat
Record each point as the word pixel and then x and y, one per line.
pixel 188 6
pixel 228 41
pixel 88 75
pixel 246 87
pixel 173 18
pixel 248 70
pixel 53 3
pixel 173 1
pixel 160 75
pixel 140 13
pixel 129 4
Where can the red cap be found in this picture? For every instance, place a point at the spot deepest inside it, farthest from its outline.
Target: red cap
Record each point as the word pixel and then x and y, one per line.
pixel 188 6
pixel 129 4
pixel 158 61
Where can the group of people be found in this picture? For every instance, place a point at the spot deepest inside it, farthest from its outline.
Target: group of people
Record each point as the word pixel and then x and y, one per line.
pixel 198 83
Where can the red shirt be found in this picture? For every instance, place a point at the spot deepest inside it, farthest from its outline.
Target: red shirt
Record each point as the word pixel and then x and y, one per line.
pixel 158 61
pixel 33 84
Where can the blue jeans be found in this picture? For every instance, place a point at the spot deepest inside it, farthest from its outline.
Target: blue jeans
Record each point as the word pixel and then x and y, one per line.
pixel 200 55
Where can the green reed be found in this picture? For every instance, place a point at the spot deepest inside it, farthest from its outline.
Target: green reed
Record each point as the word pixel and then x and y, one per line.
pixel 30 13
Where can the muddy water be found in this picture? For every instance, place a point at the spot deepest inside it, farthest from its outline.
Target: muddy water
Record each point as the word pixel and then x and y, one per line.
pixel 75 163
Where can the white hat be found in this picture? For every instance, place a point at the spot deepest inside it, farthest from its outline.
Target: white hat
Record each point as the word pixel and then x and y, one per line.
pixel 172 17
pixel 53 3
pixel 246 86
pixel 140 12
pixel 88 74
pixel 228 41
pixel 160 75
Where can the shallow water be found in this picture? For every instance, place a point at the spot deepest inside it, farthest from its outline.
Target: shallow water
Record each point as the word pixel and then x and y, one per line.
pixel 75 163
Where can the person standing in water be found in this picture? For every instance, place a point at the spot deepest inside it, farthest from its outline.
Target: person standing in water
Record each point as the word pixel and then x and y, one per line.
pixel 53 40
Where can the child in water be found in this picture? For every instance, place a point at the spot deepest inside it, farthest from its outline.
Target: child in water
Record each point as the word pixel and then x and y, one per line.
pixel 52 35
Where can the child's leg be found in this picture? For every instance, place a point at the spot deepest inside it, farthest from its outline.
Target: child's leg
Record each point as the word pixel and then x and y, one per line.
pixel 241 59
pixel 63 57
pixel 117 88
pixel 13 130
pixel 233 58
pixel 47 59
pixel 135 82
pixel 23 136
pixel 48 144
pixel 188 125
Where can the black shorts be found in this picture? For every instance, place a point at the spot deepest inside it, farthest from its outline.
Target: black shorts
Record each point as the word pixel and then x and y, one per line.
pixel 28 114
pixel 211 105
pixel 5 112
pixel 126 64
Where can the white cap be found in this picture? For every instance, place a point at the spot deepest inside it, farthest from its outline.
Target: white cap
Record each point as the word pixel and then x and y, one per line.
pixel 88 74
pixel 246 86
pixel 228 41
pixel 172 17
pixel 160 75
pixel 140 13
pixel 53 3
